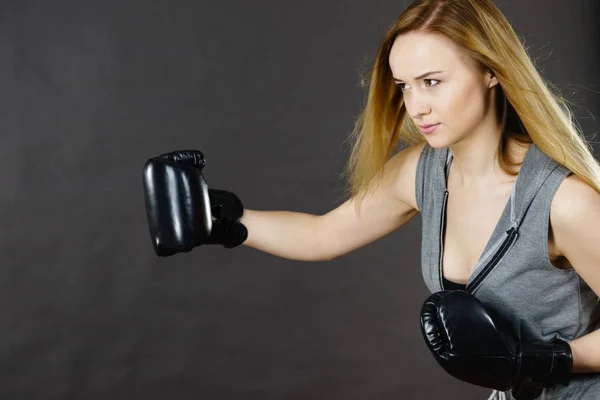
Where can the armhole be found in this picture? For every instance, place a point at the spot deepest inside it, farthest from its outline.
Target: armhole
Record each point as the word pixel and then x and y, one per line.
pixel 563 174
pixel 420 177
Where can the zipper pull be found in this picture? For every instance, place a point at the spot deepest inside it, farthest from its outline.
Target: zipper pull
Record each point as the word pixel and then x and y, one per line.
pixel 513 227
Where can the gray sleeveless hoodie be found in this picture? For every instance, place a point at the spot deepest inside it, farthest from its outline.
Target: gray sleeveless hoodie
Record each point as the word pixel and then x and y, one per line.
pixel 514 274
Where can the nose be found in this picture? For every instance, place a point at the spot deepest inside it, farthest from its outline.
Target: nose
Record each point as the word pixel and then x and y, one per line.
pixel 417 105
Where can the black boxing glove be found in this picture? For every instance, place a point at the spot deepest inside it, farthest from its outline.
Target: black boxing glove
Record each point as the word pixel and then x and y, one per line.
pixel 227 209
pixel 470 343
pixel 182 211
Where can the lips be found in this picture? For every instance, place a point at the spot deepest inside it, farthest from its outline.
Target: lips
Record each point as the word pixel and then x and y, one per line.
pixel 427 129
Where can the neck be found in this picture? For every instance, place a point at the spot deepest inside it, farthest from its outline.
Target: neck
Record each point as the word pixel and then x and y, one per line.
pixel 475 164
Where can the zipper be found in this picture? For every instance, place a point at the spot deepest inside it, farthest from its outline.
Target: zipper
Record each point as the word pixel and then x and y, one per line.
pixel 511 237
pixel 441 246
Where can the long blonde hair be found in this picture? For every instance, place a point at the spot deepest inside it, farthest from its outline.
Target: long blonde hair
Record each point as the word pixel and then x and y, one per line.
pixel 529 108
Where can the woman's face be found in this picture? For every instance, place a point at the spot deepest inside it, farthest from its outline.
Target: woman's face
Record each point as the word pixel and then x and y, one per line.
pixel 458 96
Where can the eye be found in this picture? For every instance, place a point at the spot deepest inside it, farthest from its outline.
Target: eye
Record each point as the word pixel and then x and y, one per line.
pixel 402 88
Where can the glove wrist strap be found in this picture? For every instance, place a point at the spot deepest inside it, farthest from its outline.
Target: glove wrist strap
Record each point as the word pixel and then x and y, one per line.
pixel 545 364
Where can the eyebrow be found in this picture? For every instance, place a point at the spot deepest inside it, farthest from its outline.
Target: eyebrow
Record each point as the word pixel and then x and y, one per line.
pixel 426 74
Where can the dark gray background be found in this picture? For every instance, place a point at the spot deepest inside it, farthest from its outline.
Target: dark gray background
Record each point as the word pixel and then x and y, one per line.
pixel 269 91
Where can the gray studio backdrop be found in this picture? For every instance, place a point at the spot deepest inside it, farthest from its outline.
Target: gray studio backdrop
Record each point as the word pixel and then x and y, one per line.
pixel 269 91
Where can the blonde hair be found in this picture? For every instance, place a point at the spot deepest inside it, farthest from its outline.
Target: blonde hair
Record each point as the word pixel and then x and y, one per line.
pixel 529 108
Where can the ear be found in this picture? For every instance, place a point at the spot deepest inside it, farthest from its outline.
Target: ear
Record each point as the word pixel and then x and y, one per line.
pixel 491 79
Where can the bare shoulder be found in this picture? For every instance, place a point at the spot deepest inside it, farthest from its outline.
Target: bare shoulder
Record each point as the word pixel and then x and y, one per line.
pixel 573 203
pixel 572 196
pixel 403 166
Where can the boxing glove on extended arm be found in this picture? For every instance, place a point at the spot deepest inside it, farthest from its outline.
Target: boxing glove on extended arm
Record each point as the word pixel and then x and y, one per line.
pixel 182 211
pixel 468 341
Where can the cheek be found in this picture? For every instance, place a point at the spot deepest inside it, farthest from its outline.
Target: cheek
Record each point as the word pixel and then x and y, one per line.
pixel 461 108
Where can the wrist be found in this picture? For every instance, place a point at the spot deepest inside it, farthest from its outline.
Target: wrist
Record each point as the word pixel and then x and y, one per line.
pixel 546 364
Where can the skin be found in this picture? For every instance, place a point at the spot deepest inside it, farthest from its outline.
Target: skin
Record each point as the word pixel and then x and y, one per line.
pixel 461 99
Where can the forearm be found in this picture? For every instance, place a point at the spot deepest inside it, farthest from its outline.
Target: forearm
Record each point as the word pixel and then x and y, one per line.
pixel 586 353
pixel 286 234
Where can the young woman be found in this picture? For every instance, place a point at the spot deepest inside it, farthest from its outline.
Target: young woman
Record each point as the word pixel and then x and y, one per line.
pixel 507 187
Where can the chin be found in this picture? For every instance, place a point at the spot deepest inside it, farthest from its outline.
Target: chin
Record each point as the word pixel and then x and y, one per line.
pixel 436 142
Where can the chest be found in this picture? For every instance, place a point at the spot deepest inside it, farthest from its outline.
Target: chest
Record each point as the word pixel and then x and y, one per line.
pixel 470 220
